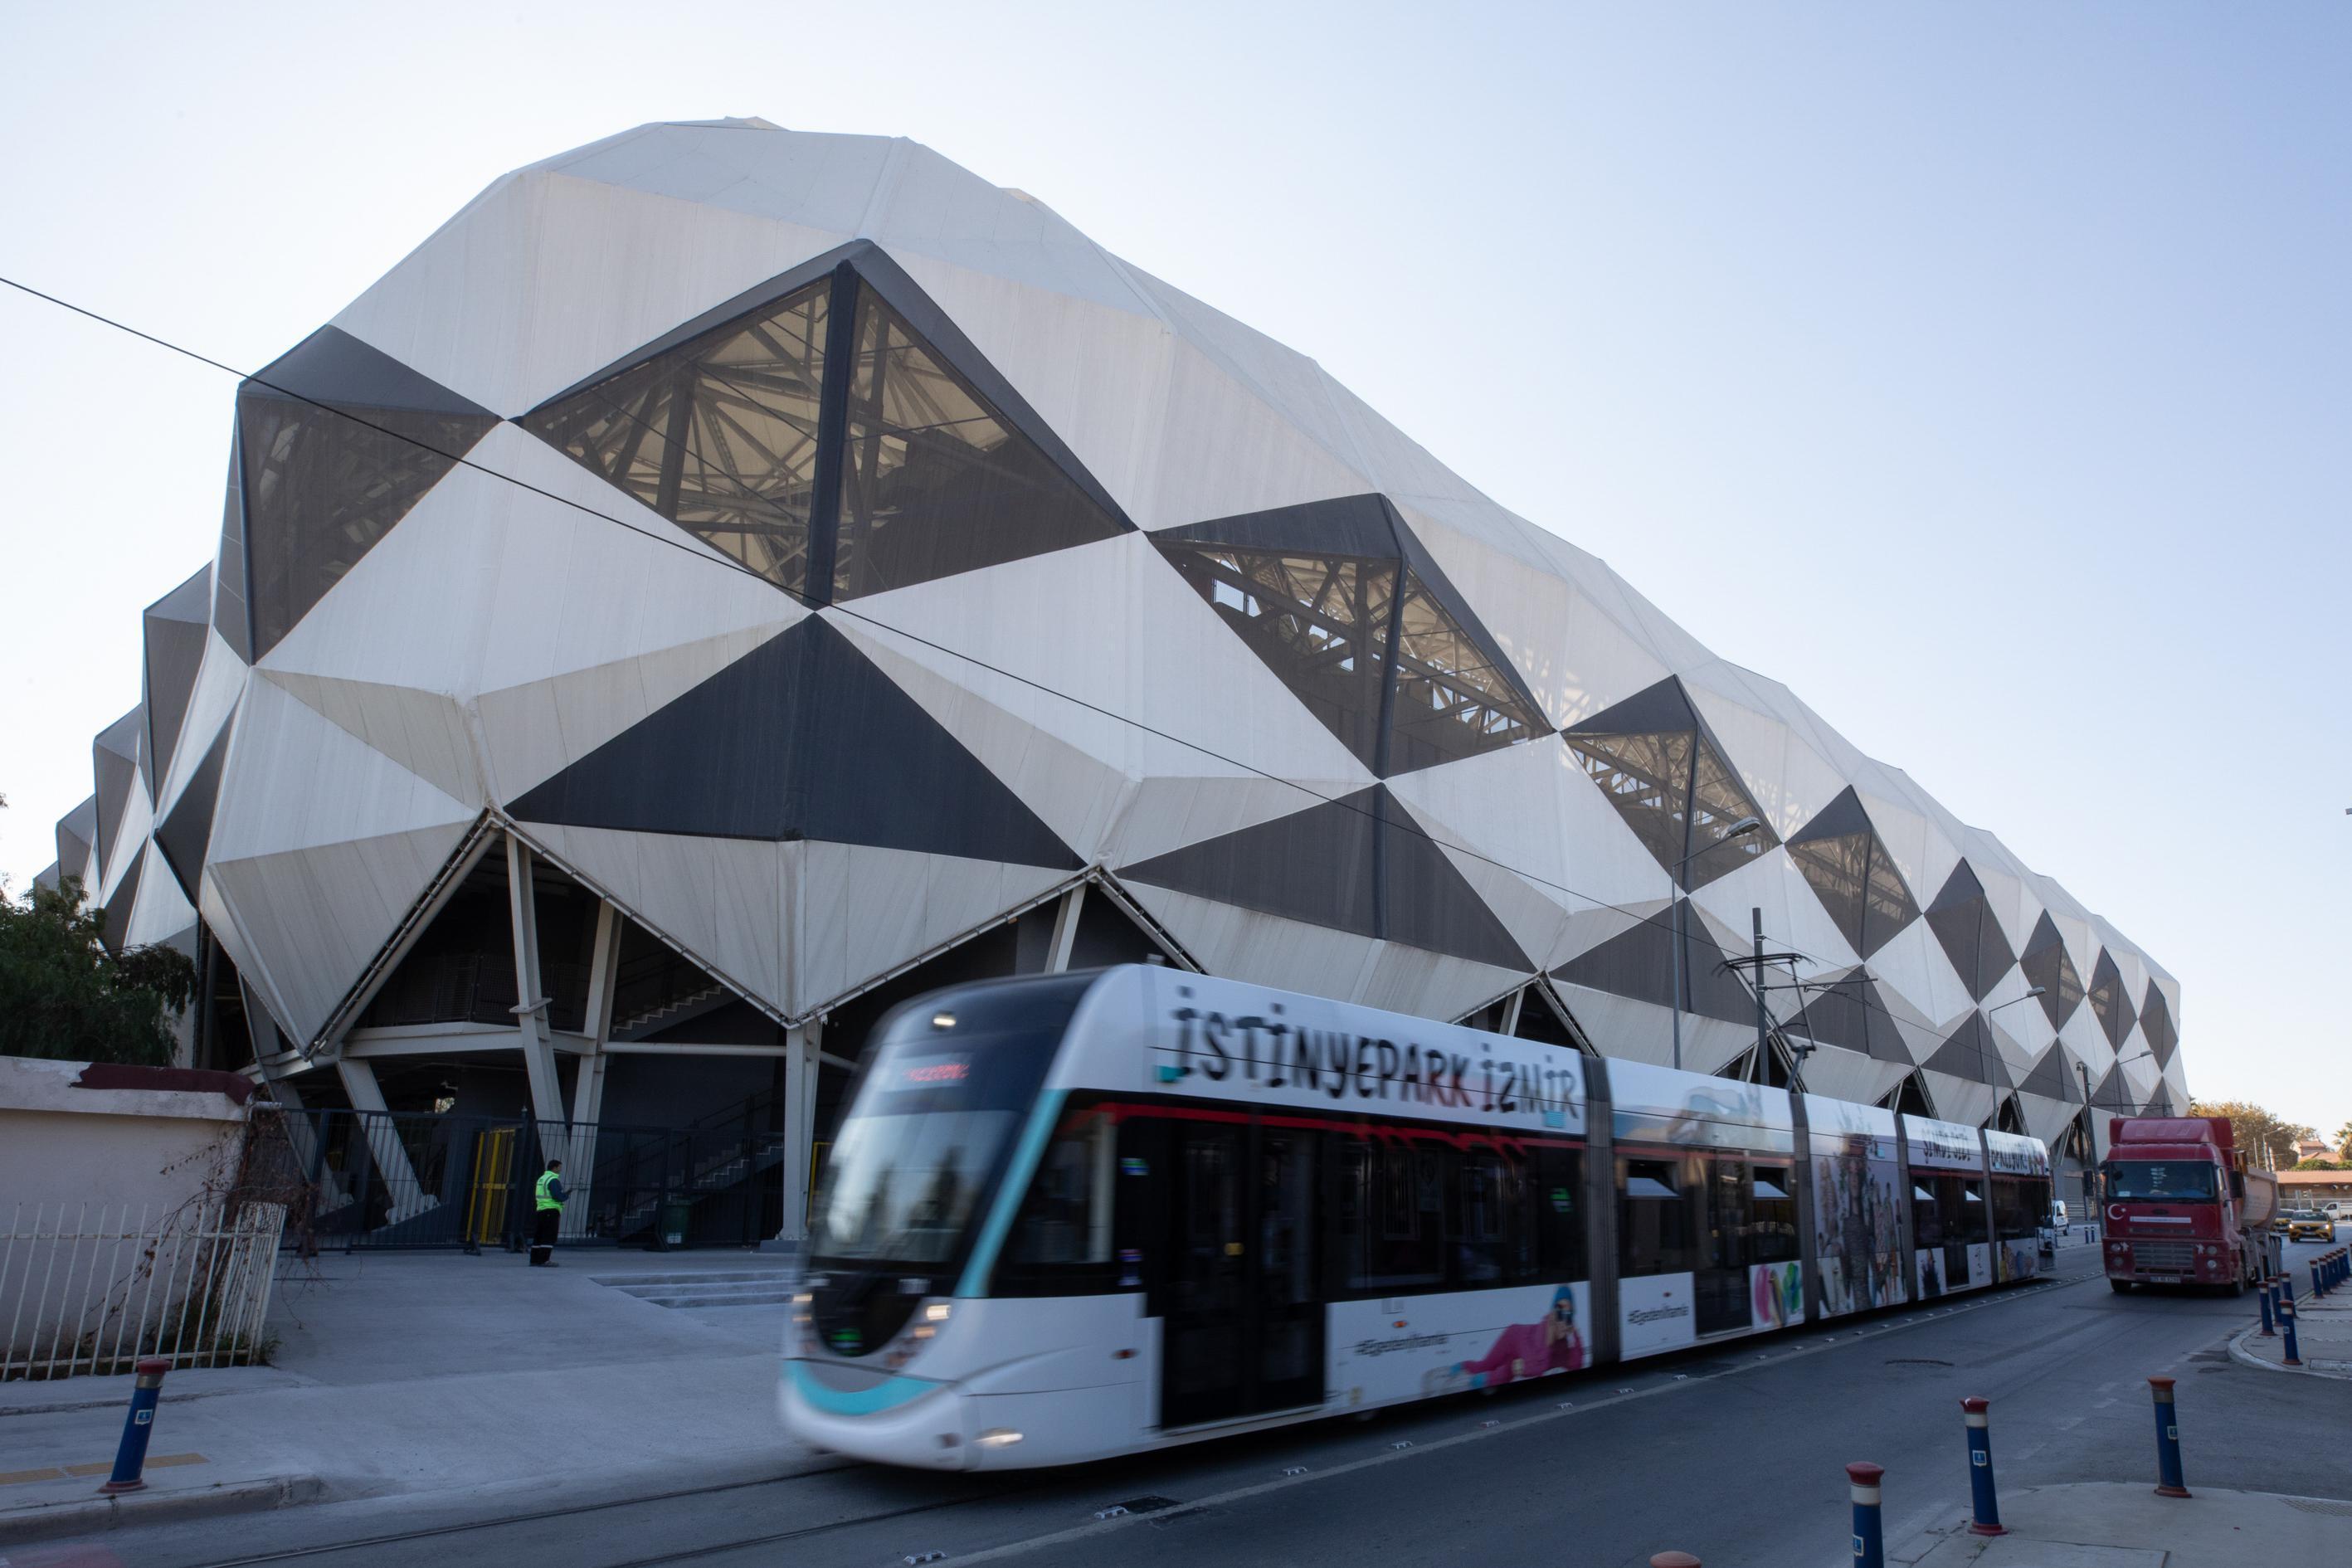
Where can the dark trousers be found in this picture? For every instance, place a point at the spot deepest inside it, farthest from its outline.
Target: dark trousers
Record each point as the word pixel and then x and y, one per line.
pixel 542 1235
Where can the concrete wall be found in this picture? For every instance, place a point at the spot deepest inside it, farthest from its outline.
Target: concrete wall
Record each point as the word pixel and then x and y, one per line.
pixel 148 1138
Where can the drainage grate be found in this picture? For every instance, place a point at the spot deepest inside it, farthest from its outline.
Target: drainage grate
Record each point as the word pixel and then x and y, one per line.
pixel 1147 1504
pixel 1917 1360
pixel 2317 1505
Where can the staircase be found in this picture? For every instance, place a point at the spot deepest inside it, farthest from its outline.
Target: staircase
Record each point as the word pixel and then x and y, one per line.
pixel 667 1013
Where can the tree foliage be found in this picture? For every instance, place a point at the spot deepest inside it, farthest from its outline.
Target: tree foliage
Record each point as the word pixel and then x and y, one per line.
pixel 64 996
pixel 2257 1129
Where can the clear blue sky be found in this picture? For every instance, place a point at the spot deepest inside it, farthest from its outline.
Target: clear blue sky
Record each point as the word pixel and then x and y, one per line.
pixel 1979 371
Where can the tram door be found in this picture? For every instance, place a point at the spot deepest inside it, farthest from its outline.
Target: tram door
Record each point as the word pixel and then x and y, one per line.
pixel 1244 1324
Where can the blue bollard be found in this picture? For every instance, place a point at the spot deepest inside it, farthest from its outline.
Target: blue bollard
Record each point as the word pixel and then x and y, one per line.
pixel 2286 1327
pixel 2317 1289
pixel 2263 1294
pixel 131 1457
pixel 2169 1481
pixel 1988 1519
pixel 1869 1539
pixel 2286 1285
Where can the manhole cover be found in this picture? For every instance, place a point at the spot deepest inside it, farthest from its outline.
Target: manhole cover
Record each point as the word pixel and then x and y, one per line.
pixel 1147 1504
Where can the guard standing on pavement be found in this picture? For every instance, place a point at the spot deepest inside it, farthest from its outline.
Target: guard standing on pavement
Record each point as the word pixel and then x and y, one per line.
pixel 550 1217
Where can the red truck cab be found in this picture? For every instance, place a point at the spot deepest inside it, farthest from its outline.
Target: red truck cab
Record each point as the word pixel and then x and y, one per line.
pixel 2181 1207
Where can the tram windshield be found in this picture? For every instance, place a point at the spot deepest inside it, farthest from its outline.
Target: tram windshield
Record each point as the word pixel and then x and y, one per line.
pixel 938 1104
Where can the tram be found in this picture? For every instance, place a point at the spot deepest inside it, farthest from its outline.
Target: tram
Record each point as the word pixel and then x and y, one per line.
pixel 1074 1215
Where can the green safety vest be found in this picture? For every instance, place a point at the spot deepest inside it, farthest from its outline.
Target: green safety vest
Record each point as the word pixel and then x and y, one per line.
pixel 546 1179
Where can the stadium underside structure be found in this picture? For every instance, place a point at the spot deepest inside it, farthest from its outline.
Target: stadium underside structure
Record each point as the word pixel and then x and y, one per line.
pixel 726 580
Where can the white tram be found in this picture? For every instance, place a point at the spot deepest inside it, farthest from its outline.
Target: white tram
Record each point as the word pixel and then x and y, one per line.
pixel 1074 1215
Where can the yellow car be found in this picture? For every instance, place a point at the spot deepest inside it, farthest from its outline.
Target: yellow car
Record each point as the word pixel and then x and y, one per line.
pixel 2309 1224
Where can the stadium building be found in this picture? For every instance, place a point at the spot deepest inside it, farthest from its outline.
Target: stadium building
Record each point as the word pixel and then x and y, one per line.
pixel 726 580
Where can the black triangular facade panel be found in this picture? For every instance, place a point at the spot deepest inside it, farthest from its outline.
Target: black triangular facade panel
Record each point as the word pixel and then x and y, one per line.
pixel 1359 863
pixel 75 838
pixel 186 834
pixel 836 433
pixel 2156 1023
pixel 1842 859
pixel 1339 600
pixel 2046 964
pixel 114 764
pixel 2052 1078
pixel 336 441
pixel 174 631
pixel 1852 1013
pixel 1969 1052
pixel 231 619
pixel 1655 759
pixel 801 738
pixel 2108 1003
pixel 117 908
pixel 1638 962
pixel 1962 919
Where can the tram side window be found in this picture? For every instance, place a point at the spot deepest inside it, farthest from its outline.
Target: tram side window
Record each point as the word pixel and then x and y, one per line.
pixel 1926 1217
pixel 1657 1220
pixel 1729 1236
pixel 1062 1243
pixel 1389 1209
pixel 2015 1217
pixel 1493 1245
pixel 1555 1190
pixel 1772 1216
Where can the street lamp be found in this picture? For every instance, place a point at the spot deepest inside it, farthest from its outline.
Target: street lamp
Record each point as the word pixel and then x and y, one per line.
pixel 1740 830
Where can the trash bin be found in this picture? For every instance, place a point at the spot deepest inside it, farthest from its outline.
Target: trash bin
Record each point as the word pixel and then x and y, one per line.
pixel 674 1212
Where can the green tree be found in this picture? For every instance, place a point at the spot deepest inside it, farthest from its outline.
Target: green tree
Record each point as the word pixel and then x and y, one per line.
pixel 64 996
pixel 2257 1129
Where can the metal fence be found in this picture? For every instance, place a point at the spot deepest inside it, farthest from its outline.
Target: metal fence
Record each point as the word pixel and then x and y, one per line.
pixel 83 1292
pixel 381 1179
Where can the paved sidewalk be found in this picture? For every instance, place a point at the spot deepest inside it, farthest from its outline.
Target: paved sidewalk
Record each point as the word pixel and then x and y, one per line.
pixel 2322 1332
pixel 401 1373
pixel 2111 1524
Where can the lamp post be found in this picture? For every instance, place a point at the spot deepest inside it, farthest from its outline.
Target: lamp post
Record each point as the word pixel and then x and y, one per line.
pixel 1740 830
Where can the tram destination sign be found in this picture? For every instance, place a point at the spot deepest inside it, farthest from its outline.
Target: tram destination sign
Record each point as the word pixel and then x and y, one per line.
pixel 1223 1041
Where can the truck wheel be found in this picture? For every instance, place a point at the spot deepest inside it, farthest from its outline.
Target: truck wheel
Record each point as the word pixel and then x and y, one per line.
pixel 2119 1286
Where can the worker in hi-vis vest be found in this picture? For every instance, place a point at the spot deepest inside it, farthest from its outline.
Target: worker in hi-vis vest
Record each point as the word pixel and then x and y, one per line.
pixel 550 1217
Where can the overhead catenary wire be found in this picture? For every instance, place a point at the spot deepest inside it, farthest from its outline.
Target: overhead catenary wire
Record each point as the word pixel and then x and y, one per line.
pixel 675 540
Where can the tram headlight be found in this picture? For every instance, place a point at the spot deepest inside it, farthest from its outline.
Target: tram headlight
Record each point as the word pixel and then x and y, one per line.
pixel 998 1438
pixel 938 1311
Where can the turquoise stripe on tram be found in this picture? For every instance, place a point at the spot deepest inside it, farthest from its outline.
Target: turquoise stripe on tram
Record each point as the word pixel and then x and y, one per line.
pixel 885 1395
pixel 1017 1176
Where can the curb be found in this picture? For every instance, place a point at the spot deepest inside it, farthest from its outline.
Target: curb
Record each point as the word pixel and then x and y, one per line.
pixel 2239 1353
pixel 46 1521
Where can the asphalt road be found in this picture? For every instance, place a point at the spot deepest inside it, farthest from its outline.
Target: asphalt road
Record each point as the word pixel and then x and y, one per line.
pixel 1734 1453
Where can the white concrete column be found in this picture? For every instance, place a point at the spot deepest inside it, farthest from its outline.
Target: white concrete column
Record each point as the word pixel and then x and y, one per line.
pixel 588 1086
pixel 1511 1005
pixel 801 1053
pixel 1065 929
pixel 392 1165
pixel 531 1000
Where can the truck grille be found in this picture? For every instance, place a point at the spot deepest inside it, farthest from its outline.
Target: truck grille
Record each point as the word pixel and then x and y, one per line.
pixel 2163 1257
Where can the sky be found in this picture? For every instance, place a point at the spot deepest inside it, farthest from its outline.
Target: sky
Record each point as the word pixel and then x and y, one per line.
pixel 1980 371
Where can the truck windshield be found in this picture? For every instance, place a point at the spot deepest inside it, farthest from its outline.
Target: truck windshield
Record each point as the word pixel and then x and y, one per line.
pixel 2182 1181
pixel 939 1102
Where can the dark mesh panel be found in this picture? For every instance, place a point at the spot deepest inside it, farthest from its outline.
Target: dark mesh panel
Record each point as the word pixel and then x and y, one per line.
pixel 2052 1078
pixel 1453 698
pixel 2156 1023
pixel 1962 919
pixel 1852 1013
pixel 1646 778
pixel 1970 1053
pixel 1659 765
pixel 1837 869
pixel 1359 863
pixel 718 434
pixel 184 835
pixel 1639 962
pixel 2047 966
pixel 801 738
pixel 935 480
pixel 117 908
pixel 2108 1003
pixel 229 615
pixel 337 441
pixel 1890 906
pixel 174 633
pixel 1319 623
pixel 77 831
pixel 114 763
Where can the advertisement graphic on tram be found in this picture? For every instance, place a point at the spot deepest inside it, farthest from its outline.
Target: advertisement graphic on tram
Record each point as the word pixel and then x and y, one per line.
pixel 1074 1215
pixel 1857 1227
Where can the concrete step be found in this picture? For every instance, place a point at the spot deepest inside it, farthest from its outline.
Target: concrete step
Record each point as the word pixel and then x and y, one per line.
pixel 711 1277
pixel 748 1299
